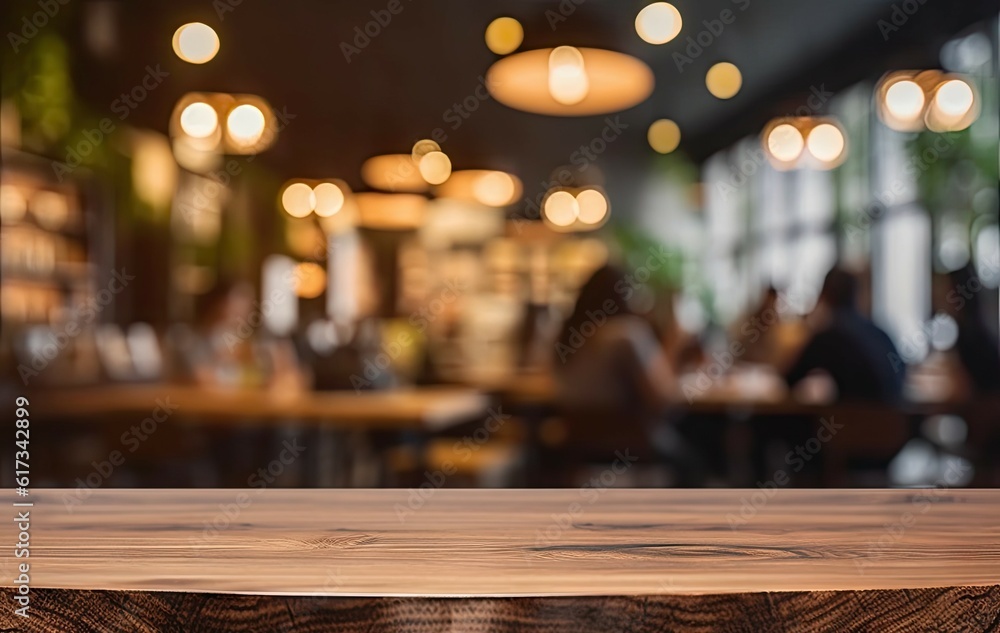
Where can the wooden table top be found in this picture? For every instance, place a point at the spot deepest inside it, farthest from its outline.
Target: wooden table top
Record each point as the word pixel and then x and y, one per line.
pixel 461 543
pixel 419 407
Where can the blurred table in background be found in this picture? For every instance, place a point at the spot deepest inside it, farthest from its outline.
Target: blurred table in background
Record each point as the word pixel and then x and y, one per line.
pixel 746 404
pixel 424 408
pixel 343 429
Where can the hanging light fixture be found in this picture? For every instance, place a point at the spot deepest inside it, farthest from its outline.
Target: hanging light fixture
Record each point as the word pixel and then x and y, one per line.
pixel 570 81
pixel 582 209
pixel 224 123
pixel 797 142
pixel 911 101
pixel 326 198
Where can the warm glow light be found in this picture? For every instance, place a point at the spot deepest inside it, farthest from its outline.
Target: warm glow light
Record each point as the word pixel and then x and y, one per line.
pixel 199 120
pixel 593 206
pixel 482 186
pixel 724 80
pixel 561 208
pixel 568 81
pixel 329 199
pixel 494 189
pixel 954 98
pixel 435 167
pixel 310 280
pixel 391 211
pixel 422 148
pixel 154 171
pixel 825 142
pixel 614 81
pixel 664 136
pixel 196 43
pixel 298 200
pixel 393 172
pixel 904 100
pixel 785 143
pixel 916 100
pixel 504 35
pixel 245 124
pixel 658 23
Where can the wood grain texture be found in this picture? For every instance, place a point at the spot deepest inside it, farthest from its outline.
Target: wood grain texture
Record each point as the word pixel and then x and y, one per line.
pixel 497 543
pixel 946 609
pixel 421 407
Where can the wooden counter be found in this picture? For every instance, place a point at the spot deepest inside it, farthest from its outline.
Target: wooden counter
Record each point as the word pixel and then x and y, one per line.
pixel 476 560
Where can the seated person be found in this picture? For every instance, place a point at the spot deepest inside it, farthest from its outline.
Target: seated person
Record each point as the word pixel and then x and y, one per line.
pixel 606 356
pixel 976 346
pixel 853 351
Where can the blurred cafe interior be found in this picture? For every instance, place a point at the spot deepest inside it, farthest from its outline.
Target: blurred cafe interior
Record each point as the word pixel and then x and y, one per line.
pixel 516 243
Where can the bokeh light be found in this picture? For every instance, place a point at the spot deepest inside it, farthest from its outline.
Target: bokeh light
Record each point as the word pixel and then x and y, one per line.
pixel 504 35
pixel 494 189
pixel 245 124
pixel 592 205
pixel 905 100
pixel 310 280
pixel 199 120
pixel 785 143
pixel 658 23
pixel 435 167
pixel 298 200
pixel 561 208
pixel 568 81
pixel 954 98
pixel 826 142
pixel 724 80
pixel 329 199
pixel 664 136
pixel 196 43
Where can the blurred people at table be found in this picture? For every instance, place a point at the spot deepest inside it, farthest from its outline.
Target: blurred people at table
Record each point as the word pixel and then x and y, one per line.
pixel 976 347
pixel 224 349
pixel 848 347
pixel 608 357
pixel 766 336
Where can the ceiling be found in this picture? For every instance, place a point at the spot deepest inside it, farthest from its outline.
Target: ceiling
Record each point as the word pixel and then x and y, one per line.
pixel 430 56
